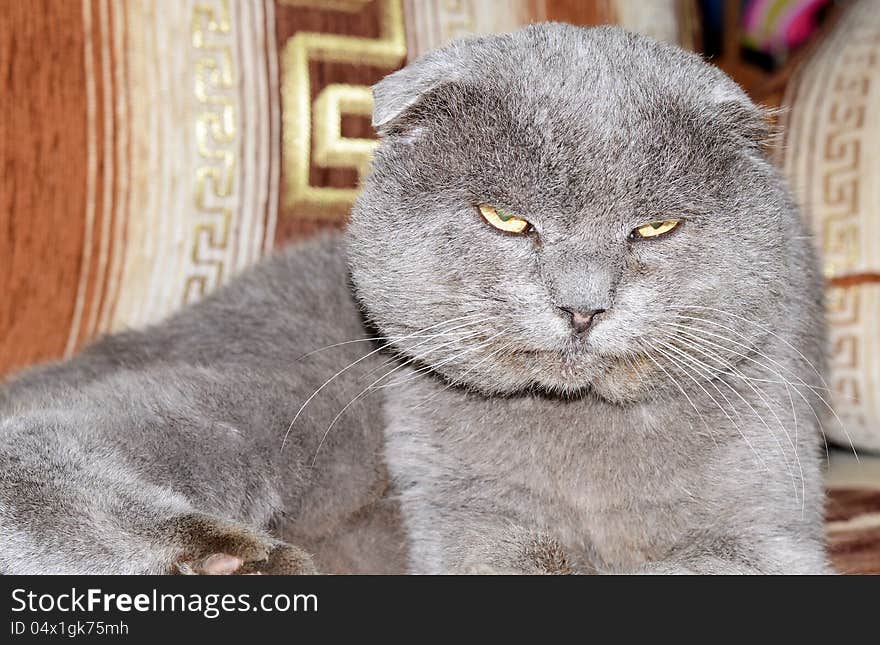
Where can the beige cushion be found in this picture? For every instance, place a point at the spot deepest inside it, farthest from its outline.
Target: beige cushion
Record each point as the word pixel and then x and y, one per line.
pixel 831 155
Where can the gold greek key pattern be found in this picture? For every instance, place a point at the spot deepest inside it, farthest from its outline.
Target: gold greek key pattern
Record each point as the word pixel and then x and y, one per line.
pixel 331 149
pixel 842 154
pixel 842 204
pixel 830 159
pixel 215 131
pixel 846 314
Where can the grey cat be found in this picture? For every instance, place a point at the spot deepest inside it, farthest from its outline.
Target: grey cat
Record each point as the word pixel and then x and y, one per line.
pixel 575 326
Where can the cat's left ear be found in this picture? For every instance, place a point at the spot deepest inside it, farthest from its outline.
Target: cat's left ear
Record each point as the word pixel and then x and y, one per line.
pixel 754 124
pixel 398 93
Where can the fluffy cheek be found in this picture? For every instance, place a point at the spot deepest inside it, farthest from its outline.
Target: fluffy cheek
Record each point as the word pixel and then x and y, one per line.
pixel 406 292
pixel 531 317
pixel 635 308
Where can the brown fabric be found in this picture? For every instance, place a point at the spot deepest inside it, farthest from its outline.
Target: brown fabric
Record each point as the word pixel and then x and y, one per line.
pixel 846 503
pixel 102 151
pixel 42 196
pixel 581 13
pixel 853 516
pixel 141 152
pixel 854 279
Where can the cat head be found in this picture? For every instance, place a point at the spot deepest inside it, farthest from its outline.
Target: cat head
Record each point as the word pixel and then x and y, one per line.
pixel 545 206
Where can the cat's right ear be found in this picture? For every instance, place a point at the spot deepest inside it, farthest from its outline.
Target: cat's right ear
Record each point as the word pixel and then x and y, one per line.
pixel 396 95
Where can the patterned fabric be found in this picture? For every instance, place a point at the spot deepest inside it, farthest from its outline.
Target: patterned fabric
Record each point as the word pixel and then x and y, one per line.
pixel 153 148
pixel 142 154
pixel 830 156
pixel 853 527
pixel 853 513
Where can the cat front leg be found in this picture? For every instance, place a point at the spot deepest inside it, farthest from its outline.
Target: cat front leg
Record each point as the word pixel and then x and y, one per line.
pixel 69 506
pixel 477 542
pixel 128 531
pixel 523 552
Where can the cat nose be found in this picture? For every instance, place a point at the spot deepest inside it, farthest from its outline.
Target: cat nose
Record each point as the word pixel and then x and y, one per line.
pixel 581 319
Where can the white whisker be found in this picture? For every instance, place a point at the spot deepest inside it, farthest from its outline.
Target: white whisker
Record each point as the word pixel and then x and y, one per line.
pixel 765 330
pixel 348 367
pixel 370 388
pixel 398 352
pixel 686 373
pixel 431 368
pixel 762 355
pixel 366 340
pixel 703 366
pixel 460 378
pixel 697 342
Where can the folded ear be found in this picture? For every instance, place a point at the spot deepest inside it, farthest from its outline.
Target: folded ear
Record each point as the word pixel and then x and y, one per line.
pixel 399 92
pixel 736 111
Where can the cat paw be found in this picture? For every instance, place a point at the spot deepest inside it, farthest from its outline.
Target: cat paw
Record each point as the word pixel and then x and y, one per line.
pixel 283 560
pixel 211 546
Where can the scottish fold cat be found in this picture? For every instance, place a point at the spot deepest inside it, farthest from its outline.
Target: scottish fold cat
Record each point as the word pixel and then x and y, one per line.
pixel 575 325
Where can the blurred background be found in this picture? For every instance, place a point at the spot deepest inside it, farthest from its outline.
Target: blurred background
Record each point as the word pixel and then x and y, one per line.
pixel 151 149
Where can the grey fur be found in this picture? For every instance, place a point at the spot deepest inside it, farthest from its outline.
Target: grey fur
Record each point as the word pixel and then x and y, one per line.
pixel 512 444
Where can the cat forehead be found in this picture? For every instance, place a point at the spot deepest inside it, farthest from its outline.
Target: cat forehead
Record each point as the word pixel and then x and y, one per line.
pixel 553 115
pixel 560 72
pixel 566 51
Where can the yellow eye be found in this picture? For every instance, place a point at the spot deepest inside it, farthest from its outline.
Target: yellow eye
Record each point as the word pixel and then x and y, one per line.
pixel 503 220
pixel 655 229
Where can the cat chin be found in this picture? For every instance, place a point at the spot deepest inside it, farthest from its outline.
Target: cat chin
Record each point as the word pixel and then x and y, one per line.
pixel 610 378
pixel 557 374
pixel 626 381
pixel 621 392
